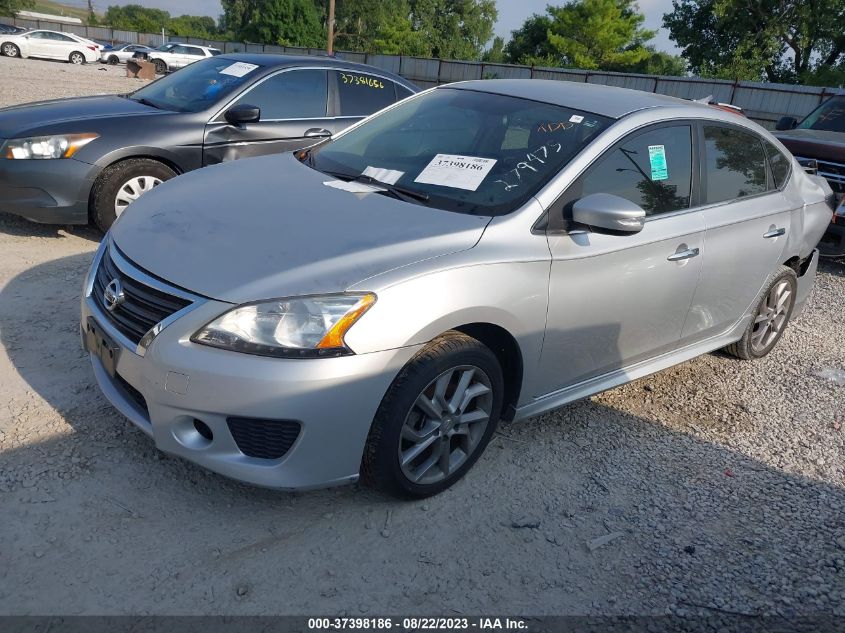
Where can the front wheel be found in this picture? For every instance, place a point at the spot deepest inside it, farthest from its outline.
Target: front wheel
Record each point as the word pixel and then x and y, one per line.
pixel 436 419
pixel 76 58
pixel 10 50
pixel 121 184
pixel 161 67
pixel 113 60
pixel 774 309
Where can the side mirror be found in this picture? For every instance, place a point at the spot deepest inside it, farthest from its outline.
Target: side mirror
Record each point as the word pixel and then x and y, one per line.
pixel 786 123
pixel 604 211
pixel 243 114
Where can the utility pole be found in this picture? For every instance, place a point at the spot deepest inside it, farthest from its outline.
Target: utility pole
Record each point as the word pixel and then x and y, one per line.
pixel 330 47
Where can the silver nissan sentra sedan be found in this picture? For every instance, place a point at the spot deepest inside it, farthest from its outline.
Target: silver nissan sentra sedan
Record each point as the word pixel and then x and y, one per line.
pixel 482 251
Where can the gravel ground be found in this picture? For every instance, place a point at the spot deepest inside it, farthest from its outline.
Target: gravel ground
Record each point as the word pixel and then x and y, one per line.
pixel 717 486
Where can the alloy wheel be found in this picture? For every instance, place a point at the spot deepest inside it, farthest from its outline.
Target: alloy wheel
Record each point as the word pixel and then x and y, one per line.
pixel 132 190
pixel 76 58
pixel 10 50
pixel 772 315
pixel 445 424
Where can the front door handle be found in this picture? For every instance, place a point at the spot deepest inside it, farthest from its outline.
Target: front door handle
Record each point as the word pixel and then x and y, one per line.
pixel 680 255
pixel 774 233
pixel 317 132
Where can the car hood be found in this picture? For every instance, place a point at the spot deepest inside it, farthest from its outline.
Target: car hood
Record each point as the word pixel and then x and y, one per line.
pixel 267 227
pixel 822 144
pixel 18 121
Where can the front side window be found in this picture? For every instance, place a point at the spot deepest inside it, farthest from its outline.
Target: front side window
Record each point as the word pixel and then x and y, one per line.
pixel 296 94
pixel 735 164
pixel 652 169
pixel 362 94
pixel 829 116
pixel 461 150
pixel 195 52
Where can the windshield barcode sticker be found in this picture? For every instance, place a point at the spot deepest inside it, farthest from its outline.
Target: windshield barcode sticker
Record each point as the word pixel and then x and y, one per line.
pixel 459 172
pixel 238 69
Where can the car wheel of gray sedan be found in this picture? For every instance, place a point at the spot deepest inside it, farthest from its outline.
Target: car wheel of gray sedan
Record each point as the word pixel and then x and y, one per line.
pixel 436 419
pixel 161 67
pixel 113 60
pixel 774 308
pixel 123 183
pixel 10 50
pixel 76 58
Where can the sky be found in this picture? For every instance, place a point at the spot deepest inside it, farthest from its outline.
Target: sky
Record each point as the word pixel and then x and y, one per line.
pixel 512 13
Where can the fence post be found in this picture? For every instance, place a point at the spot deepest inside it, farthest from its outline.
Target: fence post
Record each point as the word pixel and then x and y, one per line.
pixel 733 90
pixel 821 95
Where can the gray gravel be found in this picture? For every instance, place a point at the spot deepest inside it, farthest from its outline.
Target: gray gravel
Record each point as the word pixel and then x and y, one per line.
pixel 715 486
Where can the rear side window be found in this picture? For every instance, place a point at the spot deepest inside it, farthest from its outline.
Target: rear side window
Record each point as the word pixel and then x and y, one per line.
pixel 402 92
pixel 735 164
pixel 362 94
pixel 652 169
pixel 778 163
pixel 296 94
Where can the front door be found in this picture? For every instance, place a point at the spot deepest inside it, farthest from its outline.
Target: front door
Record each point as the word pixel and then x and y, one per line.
pixel 293 115
pixel 615 300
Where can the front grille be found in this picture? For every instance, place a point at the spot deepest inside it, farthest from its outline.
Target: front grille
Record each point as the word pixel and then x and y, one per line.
pixel 143 307
pixel 133 393
pixel 834 173
pixel 267 439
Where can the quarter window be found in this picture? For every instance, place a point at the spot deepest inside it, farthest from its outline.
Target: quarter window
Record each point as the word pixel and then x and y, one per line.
pixel 778 163
pixel 652 169
pixel 735 164
pixel 362 94
pixel 296 94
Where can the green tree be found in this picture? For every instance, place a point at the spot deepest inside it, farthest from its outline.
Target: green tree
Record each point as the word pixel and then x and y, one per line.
pixel 589 34
pixel 375 26
pixel 779 40
pixel 193 26
pixel 10 7
pixel 660 63
pixel 283 22
pixel 454 29
pixel 134 17
pixel 496 53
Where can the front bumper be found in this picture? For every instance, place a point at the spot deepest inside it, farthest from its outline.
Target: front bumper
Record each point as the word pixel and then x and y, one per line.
pixel 333 399
pixel 47 191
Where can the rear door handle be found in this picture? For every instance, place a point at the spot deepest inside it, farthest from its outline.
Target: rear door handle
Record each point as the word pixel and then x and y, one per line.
pixel 679 255
pixel 774 233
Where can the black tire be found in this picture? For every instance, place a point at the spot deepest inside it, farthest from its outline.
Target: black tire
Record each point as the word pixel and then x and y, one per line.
pixel 380 466
pixel 161 67
pixel 76 58
pixel 113 60
pixel 107 185
pixel 745 348
pixel 10 50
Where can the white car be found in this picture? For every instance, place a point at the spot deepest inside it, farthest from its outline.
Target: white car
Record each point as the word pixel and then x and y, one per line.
pixel 174 56
pixel 120 54
pixel 50 45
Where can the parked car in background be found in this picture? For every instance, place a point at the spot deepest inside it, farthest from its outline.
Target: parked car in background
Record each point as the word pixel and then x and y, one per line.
pixel 372 306
pixel 120 53
pixel 174 56
pixel 818 142
pixel 8 29
pixel 50 45
pixel 71 160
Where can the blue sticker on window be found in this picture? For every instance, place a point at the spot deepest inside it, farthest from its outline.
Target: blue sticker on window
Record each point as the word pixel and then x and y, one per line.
pixel 657 159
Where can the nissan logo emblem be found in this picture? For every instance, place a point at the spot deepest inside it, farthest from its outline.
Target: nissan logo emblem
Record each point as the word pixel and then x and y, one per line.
pixel 113 295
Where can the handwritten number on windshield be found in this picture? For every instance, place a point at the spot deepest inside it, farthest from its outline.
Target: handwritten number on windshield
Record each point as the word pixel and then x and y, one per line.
pixel 513 178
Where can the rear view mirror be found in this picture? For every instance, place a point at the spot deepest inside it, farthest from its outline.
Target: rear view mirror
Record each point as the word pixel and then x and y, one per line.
pixel 242 114
pixel 604 211
pixel 786 123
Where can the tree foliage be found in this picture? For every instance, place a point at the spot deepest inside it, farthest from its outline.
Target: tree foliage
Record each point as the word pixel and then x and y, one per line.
pixel 134 17
pixel 282 22
pixel 593 35
pixel 10 7
pixel 454 29
pixel 779 40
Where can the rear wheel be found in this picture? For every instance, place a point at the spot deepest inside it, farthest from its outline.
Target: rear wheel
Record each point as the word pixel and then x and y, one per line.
pixel 774 309
pixel 10 50
pixel 76 58
pixel 161 67
pixel 113 60
pixel 121 184
pixel 436 419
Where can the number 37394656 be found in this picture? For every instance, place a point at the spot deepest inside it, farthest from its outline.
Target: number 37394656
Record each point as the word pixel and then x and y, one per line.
pixel 361 80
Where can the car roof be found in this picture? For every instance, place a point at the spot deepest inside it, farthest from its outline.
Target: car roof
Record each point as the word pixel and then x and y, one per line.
pixel 608 101
pixel 274 60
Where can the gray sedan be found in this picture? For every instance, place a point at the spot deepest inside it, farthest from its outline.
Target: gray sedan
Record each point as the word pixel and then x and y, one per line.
pixel 122 52
pixel 482 251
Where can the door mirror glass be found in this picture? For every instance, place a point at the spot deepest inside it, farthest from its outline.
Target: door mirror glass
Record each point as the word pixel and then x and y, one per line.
pixel 606 212
pixel 242 114
pixel 786 123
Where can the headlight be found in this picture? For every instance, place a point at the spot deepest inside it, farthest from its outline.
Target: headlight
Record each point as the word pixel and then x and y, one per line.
pixel 59 146
pixel 301 327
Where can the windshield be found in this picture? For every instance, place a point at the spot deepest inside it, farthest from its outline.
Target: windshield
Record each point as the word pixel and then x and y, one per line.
pixel 466 151
pixel 829 116
pixel 197 86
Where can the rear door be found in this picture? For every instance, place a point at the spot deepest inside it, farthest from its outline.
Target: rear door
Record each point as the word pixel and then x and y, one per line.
pixel 38 44
pixel 294 114
pixel 747 220
pixel 360 94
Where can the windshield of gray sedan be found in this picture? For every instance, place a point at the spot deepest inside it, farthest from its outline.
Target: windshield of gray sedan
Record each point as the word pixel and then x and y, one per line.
pixel 197 86
pixel 829 116
pixel 461 150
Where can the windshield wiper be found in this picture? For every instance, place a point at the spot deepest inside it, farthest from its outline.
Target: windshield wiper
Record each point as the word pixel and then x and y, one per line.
pixel 398 192
pixel 149 103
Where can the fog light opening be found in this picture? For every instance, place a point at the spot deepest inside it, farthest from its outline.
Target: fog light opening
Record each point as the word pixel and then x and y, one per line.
pixel 202 428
